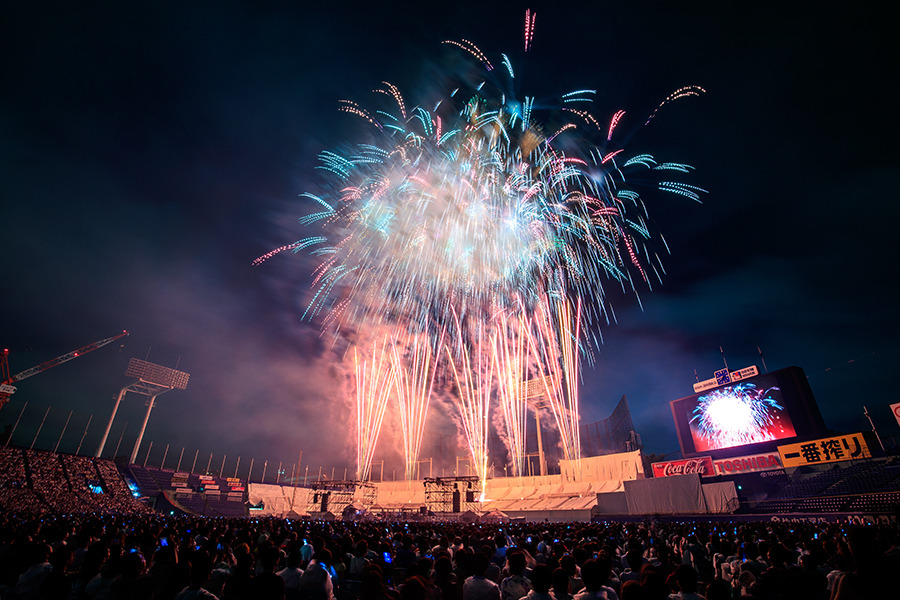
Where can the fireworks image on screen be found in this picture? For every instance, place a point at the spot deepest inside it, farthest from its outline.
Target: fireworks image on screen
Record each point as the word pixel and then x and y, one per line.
pixel 738 415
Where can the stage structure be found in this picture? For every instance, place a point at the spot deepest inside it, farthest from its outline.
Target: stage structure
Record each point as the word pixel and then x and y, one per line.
pixel 335 496
pixel 452 494
pixel 149 380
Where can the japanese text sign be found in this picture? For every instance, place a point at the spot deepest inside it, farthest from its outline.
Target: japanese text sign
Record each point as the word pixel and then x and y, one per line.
pixel 827 450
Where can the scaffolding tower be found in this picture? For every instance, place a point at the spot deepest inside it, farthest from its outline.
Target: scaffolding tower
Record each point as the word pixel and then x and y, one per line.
pixel 334 496
pixel 452 494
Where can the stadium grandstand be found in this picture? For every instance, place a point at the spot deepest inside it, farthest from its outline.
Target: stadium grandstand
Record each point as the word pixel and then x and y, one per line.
pixel 603 487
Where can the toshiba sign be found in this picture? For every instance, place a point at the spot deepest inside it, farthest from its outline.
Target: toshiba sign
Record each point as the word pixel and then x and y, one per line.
pixel 748 464
pixel 702 466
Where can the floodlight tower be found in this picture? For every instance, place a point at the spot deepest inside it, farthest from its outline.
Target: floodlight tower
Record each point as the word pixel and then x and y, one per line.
pixel 150 380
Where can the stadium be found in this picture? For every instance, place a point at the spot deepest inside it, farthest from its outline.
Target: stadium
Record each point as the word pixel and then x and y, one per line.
pixel 788 467
pixel 405 378
pixel 730 487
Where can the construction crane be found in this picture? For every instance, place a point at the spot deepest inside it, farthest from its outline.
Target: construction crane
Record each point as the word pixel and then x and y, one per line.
pixel 6 385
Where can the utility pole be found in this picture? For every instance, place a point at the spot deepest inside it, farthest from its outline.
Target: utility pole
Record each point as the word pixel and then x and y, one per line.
pixel 877 437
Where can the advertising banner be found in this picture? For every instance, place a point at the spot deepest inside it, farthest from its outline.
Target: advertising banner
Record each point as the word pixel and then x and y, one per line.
pixel 828 450
pixel 748 464
pixel 702 466
pixel 895 408
pixel 723 377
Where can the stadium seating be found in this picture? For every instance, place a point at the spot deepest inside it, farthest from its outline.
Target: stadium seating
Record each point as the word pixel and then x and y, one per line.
pixel 870 486
pixel 144 480
pixel 204 495
pixel 36 481
pixel 39 481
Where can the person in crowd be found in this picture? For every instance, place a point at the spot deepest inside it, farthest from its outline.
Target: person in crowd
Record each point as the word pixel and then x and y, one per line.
pixel 200 566
pixel 446 579
pixel 515 585
pixel 133 582
pixel 269 585
pixel 29 583
pixel 57 583
pixel 594 573
pixel 240 584
pixel 416 588
pixel 291 575
pixel 570 566
pixel 653 584
pixel 559 588
pixel 839 565
pixel 499 555
pixel 632 590
pixel 541 582
pixel 633 562
pixel 94 558
pixel 373 587
pixel 870 575
pixel 718 590
pixel 477 586
pixel 359 562
pixel 315 583
pixel 686 580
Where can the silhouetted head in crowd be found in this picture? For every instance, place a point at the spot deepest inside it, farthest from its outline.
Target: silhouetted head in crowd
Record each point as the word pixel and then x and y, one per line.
pixel 480 563
pixel 595 572
pixel 443 567
pixel 560 581
pixel 269 558
pixel 718 590
pixel 567 563
pixel 294 559
pixel 654 585
pixel 635 559
pixel 516 562
pixel 201 567
pixel 415 588
pixel 324 557
pixel 686 578
pixel 541 578
pixel 632 590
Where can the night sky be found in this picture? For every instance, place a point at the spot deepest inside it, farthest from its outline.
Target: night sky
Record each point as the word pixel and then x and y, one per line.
pixel 149 151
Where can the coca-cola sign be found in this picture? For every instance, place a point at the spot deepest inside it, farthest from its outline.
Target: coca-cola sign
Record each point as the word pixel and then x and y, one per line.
pixel 702 466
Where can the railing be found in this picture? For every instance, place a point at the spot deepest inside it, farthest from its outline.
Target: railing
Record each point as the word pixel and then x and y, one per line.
pixel 876 502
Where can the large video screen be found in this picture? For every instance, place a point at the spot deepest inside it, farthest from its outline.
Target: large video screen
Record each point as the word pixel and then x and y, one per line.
pixel 760 412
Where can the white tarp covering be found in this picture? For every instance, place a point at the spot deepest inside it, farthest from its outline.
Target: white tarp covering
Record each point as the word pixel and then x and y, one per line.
pixel 612 503
pixel 624 466
pixel 279 500
pixel 679 494
pixel 398 494
pixel 720 497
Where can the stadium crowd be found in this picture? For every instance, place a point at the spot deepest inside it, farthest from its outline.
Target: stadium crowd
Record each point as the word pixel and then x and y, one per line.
pixel 158 557
pixel 48 482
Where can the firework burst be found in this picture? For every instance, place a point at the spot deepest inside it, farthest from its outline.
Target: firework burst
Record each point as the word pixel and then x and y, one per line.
pixel 452 215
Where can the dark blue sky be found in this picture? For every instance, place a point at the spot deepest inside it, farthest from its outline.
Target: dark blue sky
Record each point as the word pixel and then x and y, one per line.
pixel 149 151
